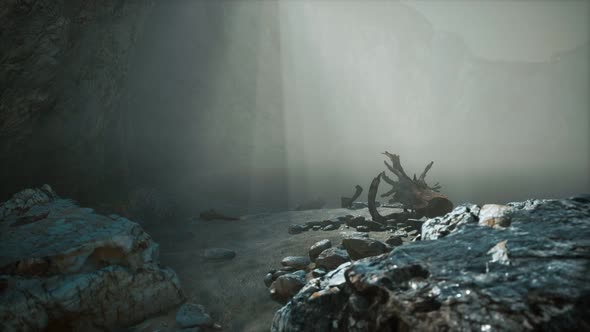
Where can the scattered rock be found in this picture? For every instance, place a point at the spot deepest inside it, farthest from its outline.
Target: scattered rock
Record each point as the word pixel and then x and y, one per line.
pixel 394 241
pixel 356 221
pixel 219 254
pixel 296 229
pixel 268 279
pixel 190 315
pixel 69 263
pixel 331 258
pixel 316 249
pixel 363 228
pixel 286 286
pixel 358 248
pixel 330 227
pixel 536 279
pixel 296 262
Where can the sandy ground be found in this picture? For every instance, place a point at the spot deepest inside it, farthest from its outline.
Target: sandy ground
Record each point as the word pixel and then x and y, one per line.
pixel 233 291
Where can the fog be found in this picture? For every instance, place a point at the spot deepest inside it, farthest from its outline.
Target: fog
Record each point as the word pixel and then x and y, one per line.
pixel 257 105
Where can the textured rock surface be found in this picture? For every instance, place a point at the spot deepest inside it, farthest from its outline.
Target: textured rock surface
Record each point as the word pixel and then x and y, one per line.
pixel 62 72
pixel 331 258
pixel 287 285
pixel 531 275
pixel 65 267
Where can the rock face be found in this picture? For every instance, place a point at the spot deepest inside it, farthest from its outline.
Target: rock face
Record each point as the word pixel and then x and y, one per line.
pixel 62 77
pixel 531 275
pixel 65 267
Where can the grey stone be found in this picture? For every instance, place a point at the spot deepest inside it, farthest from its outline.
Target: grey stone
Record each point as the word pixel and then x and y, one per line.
pixel 286 286
pixel 331 258
pixel 358 248
pixel 394 241
pixel 318 247
pixel 330 227
pixel 295 229
pixel 190 315
pixel 268 279
pixel 363 228
pixel 296 262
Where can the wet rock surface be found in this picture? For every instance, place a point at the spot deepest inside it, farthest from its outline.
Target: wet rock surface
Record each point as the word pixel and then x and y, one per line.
pixel 63 266
pixel 530 275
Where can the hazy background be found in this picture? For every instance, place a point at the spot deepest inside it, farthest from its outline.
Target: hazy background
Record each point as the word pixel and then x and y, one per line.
pixel 264 104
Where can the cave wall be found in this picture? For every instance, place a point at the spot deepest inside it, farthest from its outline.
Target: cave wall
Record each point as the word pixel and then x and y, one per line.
pixel 63 70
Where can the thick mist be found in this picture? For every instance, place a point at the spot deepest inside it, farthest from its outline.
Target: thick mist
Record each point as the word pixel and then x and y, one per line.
pixel 261 105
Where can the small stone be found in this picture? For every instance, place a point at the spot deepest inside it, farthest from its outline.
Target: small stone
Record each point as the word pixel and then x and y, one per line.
pixel 190 315
pixel 219 254
pixel 358 248
pixel 394 241
pixel 268 279
pixel 316 249
pixel 330 227
pixel 295 229
pixel 331 258
pixel 357 221
pixel 286 286
pixel 362 228
pixel 374 226
pixel 297 262
pixel 316 228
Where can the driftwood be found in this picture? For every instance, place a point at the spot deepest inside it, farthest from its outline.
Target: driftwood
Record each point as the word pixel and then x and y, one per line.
pixel 414 193
pixel 347 201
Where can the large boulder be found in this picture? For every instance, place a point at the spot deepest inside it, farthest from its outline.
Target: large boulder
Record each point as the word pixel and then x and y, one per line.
pixel 66 267
pixel 530 275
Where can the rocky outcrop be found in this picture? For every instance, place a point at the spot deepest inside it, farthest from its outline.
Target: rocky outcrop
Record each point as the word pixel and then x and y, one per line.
pixel 66 267
pixel 529 274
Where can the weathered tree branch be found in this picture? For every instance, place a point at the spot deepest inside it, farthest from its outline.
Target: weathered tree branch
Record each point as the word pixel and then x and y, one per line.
pixel 414 193
pixel 347 201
